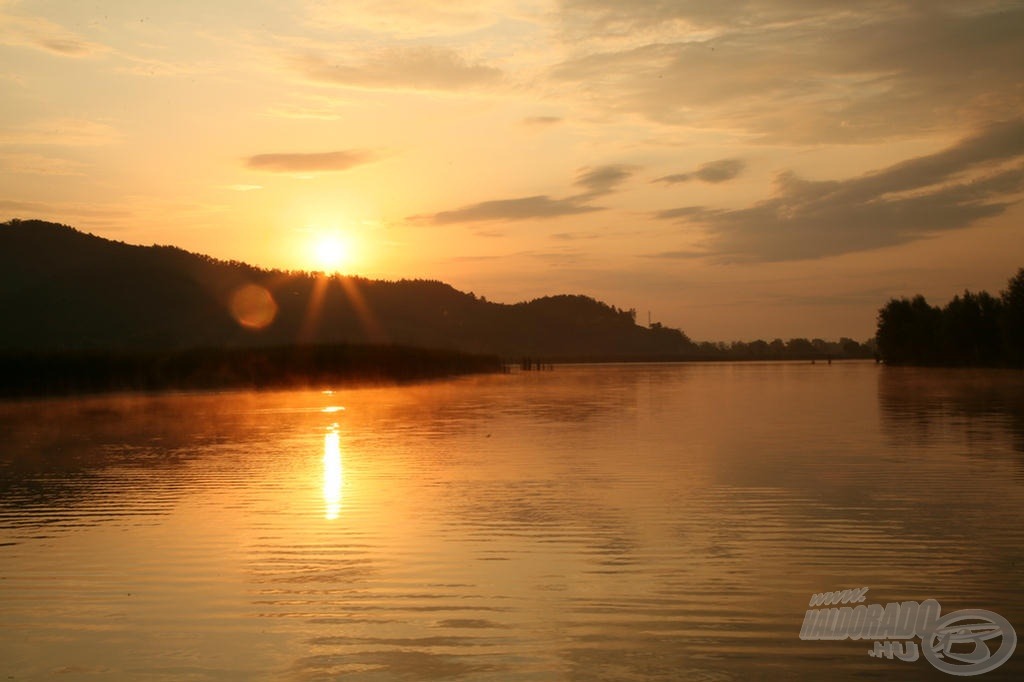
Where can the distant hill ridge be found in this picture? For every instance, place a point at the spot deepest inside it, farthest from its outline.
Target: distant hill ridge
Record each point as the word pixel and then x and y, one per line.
pixel 62 289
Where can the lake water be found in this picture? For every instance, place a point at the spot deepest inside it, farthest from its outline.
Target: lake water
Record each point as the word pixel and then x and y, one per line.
pixel 622 522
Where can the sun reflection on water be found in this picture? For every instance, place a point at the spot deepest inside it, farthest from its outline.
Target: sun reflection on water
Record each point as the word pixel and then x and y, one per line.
pixel 334 474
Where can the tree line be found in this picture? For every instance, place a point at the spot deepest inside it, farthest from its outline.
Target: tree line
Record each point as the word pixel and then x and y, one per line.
pixel 314 366
pixel 793 349
pixel 973 329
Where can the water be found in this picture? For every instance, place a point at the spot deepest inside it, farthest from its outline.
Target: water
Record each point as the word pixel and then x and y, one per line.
pixel 632 522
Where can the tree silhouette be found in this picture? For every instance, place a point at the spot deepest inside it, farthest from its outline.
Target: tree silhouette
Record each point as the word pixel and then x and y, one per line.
pixel 975 329
pixel 1013 320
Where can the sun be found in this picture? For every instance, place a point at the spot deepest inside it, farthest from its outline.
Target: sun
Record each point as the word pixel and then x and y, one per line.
pixel 332 251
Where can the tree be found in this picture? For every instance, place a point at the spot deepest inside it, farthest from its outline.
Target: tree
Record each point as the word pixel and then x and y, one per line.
pixel 1012 320
pixel 970 330
pixel 908 332
pixel 800 348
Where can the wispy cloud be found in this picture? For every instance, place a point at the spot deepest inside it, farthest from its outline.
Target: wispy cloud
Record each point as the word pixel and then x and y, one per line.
pixel 69 132
pixel 600 180
pixel 17 205
pixel 561 257
pixel 38 164
pixel 597 181
pixel 417 68
pixel 720 171
pixel 683 212
pixel 317 162
pixel 791 71
pixel 674 178
pixel 522 208
pixel 713 171
pixel 72 213
pixel 542 121
pixel 574 236
pixel 948 190
pixel 400 19
pixel 41 34
pixel 685 254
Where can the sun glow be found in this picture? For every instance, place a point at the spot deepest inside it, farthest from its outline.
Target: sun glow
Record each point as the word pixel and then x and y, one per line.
pixel 332 251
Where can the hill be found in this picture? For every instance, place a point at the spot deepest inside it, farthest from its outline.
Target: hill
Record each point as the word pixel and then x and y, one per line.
pixel 65 290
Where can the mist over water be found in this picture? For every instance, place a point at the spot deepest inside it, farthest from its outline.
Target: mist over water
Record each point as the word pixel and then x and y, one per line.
pixel 617 522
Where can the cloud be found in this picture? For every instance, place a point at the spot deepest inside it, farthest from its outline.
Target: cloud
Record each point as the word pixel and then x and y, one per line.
pixel 523 208
pixel 310 163
pixel 793 71
pixel 601 180
pixel 16 205
pixel 976 178
pixel 677 255
pixel 674 178
pixel 564 258
pixel 684 212
pixel 416 68
pixel 401 19
pixel 38 164
pixel 573 236
pixel 42 34
pixel 71 213
pixel 65 47
pixel 542 121
pixel 720 171
pixel 630 16
pixel 67 132
pixel 596 180
pixel 713 171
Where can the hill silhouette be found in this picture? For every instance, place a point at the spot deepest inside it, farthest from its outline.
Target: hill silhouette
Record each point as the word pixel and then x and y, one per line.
pixel 62 290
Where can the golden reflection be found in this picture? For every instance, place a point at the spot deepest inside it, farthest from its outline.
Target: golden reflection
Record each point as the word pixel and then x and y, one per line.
pixel 334 474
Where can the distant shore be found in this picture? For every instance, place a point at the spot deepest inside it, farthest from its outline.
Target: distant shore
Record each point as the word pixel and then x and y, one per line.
pixel 28 374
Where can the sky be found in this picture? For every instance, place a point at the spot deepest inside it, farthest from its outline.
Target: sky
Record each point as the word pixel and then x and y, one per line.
pixel 738 169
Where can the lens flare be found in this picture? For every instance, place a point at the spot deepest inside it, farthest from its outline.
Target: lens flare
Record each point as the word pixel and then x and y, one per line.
pixel 253 307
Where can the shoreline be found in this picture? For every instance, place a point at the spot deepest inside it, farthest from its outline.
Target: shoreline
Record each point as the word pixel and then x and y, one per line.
pixel 73 373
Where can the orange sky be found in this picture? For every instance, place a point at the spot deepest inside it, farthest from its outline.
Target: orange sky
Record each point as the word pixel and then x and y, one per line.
pixel 741 169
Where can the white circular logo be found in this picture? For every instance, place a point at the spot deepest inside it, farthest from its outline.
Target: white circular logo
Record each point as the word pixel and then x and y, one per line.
pixel 957 644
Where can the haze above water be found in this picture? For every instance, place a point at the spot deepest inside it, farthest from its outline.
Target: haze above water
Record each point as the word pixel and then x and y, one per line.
pixel 627 522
